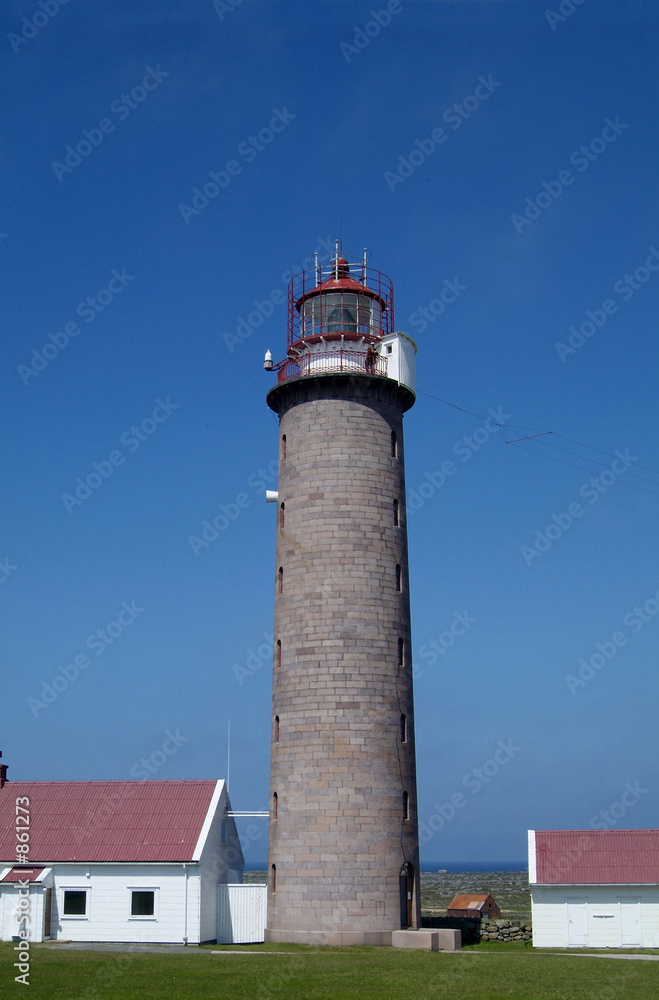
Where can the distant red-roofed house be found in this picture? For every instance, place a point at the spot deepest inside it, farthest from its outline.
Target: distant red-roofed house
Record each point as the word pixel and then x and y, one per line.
pixel 473 905
pixel 115 860
pixel 594 888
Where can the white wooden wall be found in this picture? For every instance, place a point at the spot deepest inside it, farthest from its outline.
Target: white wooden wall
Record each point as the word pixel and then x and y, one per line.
pixel 221 861
pixel 241 913
pixel 595 917
pixel 108 912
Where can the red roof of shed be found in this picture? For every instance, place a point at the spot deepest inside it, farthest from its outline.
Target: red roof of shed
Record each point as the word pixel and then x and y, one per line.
pixel 597 857
pixel 469 901
pixel 106 820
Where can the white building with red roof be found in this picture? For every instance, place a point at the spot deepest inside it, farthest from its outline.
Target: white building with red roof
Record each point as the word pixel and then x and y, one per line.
pixel 594 888
pixel 136 861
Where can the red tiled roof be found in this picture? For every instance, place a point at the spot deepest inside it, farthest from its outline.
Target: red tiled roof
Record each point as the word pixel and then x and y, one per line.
pixel 21 874
pixel 597 857
pixel 106 820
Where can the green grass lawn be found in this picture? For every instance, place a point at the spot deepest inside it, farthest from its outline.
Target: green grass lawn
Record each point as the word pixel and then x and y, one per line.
pixel 513 971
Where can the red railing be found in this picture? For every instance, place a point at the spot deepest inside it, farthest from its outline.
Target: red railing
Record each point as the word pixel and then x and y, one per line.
pixel 331 362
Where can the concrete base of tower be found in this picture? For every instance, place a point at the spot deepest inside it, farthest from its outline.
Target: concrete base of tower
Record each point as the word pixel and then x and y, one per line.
pixel 444 939
pixel 336 939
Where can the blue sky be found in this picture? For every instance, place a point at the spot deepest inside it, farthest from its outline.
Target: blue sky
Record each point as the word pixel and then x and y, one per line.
pixel 483 146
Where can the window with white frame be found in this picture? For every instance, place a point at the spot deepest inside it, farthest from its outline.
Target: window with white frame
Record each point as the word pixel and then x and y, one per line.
pixel 75 903
pixel 143 904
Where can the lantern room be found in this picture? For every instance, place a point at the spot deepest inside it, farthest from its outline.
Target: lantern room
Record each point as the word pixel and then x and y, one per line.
pixel 341 319
pixel 339 300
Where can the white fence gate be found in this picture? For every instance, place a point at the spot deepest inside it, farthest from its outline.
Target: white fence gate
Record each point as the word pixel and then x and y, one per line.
pixel 241 913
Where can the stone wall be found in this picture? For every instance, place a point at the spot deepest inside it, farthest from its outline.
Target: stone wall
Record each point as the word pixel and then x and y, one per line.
pixel 474 931
pixel 344 820
pixel 504 930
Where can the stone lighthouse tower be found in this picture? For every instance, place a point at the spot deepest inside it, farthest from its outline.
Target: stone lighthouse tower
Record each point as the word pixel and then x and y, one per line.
pixel 343 849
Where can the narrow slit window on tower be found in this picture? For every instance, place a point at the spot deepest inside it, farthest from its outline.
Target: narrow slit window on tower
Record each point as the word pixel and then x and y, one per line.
pixel 406 806
pixel 276 729
pixel 275 805
pixel 280 580
pixel 394 445
pixel 403 729
pixel 278 654
pixel 281 516
pixel 401 652
pixel 283 446
pixel 399 579
pixel 396 514
pixel 274 878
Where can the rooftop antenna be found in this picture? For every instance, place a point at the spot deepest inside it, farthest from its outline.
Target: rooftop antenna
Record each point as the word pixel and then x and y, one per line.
pixel 228 752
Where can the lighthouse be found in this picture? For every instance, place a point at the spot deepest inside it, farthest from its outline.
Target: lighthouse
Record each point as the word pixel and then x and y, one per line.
pixel 343 856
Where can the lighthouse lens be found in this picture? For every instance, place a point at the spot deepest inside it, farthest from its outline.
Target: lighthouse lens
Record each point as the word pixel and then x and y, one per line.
pixel 341 321
pixel 341 312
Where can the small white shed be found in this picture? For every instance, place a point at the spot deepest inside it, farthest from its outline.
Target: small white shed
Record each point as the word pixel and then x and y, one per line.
pixel 131 861
pixel 594 888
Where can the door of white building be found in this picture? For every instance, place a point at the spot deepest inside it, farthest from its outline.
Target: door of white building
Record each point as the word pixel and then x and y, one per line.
pixel 576 923
pixel 630 921
pixel 9 926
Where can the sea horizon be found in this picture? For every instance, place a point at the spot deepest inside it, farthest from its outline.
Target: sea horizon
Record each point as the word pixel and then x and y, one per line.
pixel 450 867
pixel 474 866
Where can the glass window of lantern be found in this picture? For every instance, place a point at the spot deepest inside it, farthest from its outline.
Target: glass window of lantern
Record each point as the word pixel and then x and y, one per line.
pixel 340 313
pixel 308 318
pixel 375 318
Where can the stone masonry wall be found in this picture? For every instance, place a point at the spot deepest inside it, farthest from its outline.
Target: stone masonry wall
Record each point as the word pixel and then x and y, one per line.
pixel 342 674
pixel 473 931
pixel 505 930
